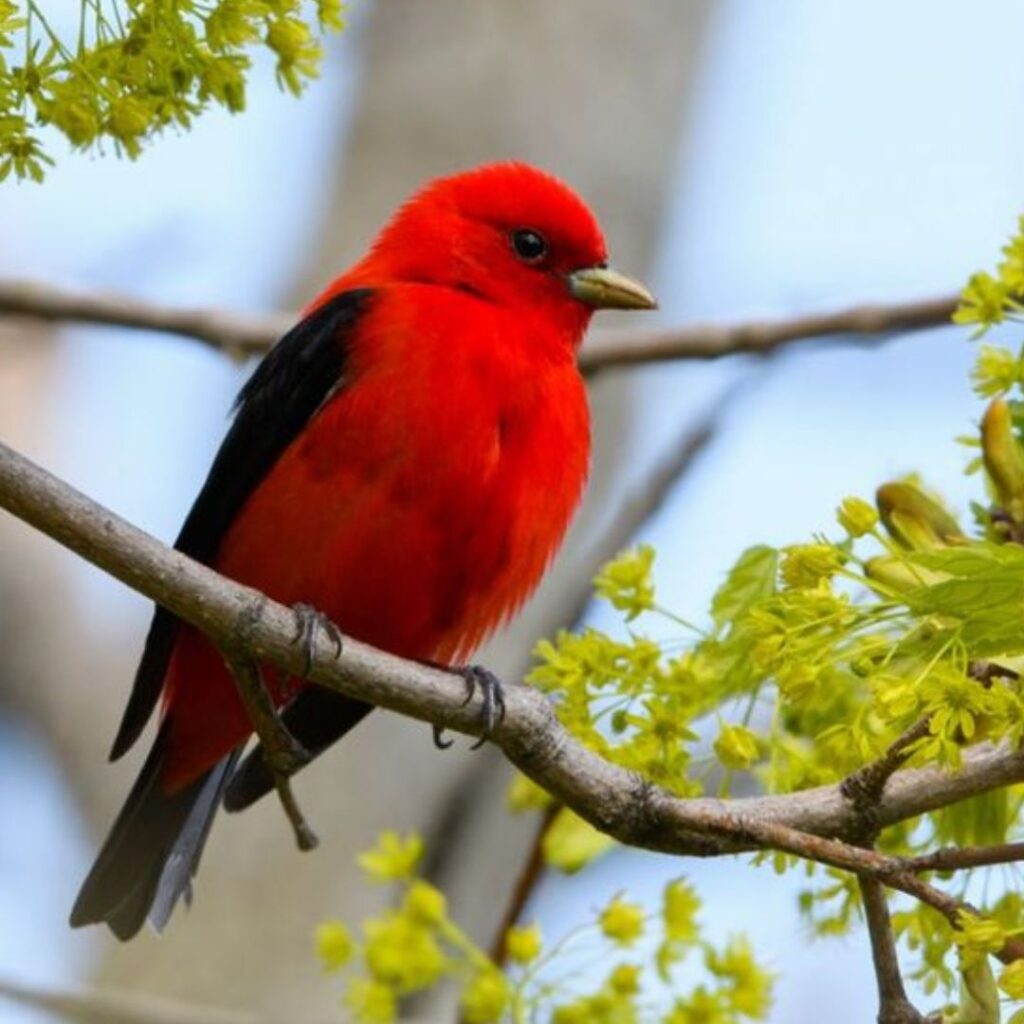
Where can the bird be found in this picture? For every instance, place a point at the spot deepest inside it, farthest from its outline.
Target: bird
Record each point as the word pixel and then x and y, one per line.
pixel 402 465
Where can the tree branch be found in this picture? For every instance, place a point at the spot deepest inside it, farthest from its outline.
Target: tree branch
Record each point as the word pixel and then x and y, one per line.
pixel 956 858
pixel 810 824
pixel 893 1005
pixel 238 335
pixel 860 324
pixel 247 335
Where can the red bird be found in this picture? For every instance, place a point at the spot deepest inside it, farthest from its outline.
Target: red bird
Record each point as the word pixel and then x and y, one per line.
pixel 405 460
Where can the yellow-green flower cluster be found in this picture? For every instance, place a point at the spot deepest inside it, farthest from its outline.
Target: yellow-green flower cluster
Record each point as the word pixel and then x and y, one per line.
pixel 417 945
pixel 815 658
pixel 410 947
pixel 626 582
pixel 989 299
pixel 133 70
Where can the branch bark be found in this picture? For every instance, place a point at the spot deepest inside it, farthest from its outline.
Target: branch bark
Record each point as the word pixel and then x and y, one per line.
pixel 242 336
pixel 893 1005
pixel 812 824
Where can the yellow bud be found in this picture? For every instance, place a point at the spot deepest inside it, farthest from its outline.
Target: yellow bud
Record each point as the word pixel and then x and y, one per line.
pixel 484 998
pixel 856 517
pixel 371 1002
pixel 915 520
pixel 625 980
pixel 424 903
pixel 737 747
pixel 402 953
pixel 622 922
pixel 334 945
pixel 1004 458
pixel 523 944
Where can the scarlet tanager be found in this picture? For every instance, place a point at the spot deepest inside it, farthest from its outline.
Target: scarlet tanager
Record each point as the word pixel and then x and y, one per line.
pixel 406 461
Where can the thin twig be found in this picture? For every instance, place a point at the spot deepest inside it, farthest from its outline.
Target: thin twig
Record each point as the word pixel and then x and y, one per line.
pixel 282 754
pixel 864 787
pixel 858 324
pixel 612 799
pixel 893 1005
pixel 247 335
pixel 964 858
pixel 237 334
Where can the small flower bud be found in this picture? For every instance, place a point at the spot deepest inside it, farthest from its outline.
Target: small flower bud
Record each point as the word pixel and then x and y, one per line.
pixel 1004 458
pixel 915 520
pixel 856 517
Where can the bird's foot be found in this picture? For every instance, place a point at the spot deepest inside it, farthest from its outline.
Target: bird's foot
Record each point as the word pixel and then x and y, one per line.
pixel 476 677
pixel 307 621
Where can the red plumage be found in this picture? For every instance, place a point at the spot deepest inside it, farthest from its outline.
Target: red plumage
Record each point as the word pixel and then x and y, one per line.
pixel 421 500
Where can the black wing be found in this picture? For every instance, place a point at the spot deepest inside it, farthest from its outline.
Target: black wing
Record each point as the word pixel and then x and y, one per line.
pixel 283 394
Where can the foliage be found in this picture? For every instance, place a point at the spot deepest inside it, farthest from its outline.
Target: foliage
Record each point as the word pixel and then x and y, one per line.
pixel 814 660
pixel 417 944
pixel 137 67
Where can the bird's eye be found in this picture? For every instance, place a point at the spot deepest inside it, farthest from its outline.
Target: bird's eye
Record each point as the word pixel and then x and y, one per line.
pixel 529 246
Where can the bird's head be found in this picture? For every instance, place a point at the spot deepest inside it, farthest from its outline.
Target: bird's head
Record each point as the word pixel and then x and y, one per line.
pixel 508 234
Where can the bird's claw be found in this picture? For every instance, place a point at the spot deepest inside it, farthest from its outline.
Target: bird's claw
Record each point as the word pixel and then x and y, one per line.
pixel 493 696
pixel 490 686
pixel 307 620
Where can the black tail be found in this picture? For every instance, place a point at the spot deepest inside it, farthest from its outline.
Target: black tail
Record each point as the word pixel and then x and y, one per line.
pixel 151 855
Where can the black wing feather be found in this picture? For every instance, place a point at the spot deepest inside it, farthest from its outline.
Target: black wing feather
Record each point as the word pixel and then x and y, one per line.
pixel 283 394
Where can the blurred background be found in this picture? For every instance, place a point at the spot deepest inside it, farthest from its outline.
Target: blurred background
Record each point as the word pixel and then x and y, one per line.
pixel 745 158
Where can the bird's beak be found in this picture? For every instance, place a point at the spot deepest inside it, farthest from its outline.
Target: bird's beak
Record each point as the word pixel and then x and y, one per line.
pixel 604 288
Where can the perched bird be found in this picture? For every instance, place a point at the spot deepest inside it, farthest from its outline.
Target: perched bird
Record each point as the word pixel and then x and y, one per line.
pixel 406 461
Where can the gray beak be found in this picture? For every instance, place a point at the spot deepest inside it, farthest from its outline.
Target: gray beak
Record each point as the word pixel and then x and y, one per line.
pixel 604 288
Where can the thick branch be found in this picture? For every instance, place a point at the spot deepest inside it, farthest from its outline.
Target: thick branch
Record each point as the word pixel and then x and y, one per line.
pixel 246 335
pixel 614 800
